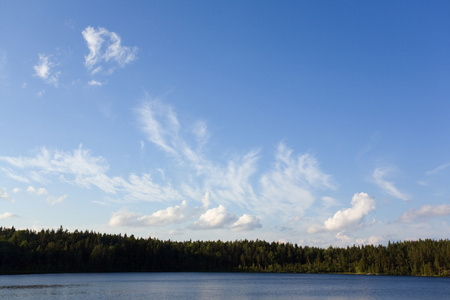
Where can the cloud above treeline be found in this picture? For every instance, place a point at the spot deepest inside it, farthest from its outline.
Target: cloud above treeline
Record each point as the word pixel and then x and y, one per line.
pixel 362 204
pixel 288 188
pixel 379 176
pixel 425 212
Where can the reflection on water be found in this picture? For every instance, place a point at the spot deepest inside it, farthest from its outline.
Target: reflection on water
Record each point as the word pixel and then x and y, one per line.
pixel 220 286
pixel 39 286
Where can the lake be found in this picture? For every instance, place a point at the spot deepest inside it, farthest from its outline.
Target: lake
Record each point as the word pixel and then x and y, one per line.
pixel 221 286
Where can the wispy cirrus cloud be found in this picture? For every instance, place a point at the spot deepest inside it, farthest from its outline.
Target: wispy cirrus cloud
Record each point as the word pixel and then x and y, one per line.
pixel 362 204
pixel 438 169
pixel 388 187
pixel 45 70
pixel 292 181
pixel 80 168
pixel 55 200
pixel 289 186
pixel 106 50
pixel 425 212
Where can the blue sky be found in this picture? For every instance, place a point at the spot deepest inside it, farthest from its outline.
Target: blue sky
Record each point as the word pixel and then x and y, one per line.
pixel 312 122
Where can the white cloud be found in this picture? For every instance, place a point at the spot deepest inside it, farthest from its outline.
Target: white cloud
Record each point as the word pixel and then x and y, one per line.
pixel 11 174
pixel 425 212
pixel 105 47
pixel 39 191
pixel 169 215
pixel 165 216
pixel 6 215
pixel 362 204
pixel 95 83
pixel 160 125
pixel 288 187
pixel 79 167
pixel 291 182
pixel 44 70
pixel 329 201
pixel 343 238
pixel 4 195
pixel 143 188
pixel 15 190
pixel 246 223
pixel 53 200
pixel 438 169
pixel 386 186
pixel 214 218
pixel 373 240
pixel 123 218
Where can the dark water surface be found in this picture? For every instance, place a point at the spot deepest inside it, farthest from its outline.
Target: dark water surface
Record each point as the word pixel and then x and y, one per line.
pixel 221 286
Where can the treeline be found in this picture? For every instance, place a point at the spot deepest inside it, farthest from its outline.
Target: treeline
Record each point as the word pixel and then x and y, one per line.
pixel 50 251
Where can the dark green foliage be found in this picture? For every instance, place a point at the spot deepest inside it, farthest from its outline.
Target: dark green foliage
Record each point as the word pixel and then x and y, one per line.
pixel 26 251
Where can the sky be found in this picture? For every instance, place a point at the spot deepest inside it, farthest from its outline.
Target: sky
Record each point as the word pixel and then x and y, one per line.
pixel 311 122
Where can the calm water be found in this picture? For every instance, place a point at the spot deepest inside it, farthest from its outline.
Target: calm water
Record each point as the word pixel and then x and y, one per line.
pixel 221 286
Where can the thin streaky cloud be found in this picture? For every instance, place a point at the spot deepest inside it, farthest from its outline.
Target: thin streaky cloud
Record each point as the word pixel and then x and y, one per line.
pixel 438 169
pixel 425 212
pixel 55 200
pixel 388 187
pixel 79 167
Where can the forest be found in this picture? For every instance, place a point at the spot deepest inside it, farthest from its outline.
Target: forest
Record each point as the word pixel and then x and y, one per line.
pixel 58 251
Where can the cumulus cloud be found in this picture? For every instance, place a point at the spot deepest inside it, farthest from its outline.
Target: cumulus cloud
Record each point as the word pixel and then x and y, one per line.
pixel 361 203
pixel 246 223
pixel 425 212
pixel 169 215
pixel 6 215
pixel 388 187
pixel 373 240
pixel 214 218
pixel 39 191
pixel 44 70
pixel 106 49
